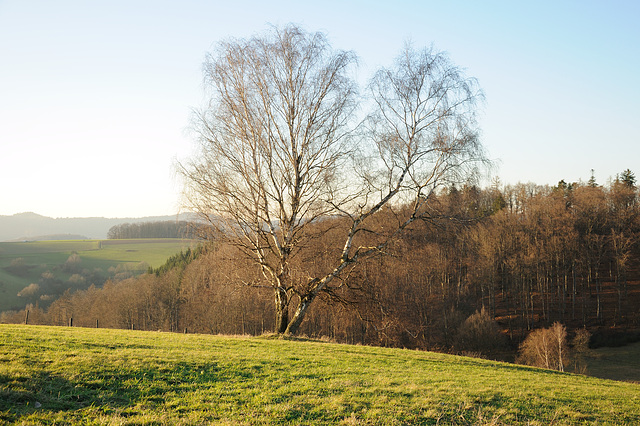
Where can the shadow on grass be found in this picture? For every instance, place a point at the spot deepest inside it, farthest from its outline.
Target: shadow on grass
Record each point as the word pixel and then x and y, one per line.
pixel 41 391
pixel 291 338
pixel 109 392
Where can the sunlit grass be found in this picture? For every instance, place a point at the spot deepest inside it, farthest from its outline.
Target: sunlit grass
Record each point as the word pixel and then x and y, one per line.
pixel 152 251
pixel 74 375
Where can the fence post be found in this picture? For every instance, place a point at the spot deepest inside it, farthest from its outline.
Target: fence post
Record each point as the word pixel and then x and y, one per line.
pixel 97 323
pixel 26 317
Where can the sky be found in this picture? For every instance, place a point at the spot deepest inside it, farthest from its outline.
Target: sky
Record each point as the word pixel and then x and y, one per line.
pixel 95 96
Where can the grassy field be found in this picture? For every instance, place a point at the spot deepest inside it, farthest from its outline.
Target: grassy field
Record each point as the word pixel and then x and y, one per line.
pixel 54 375
pixel 621 363
pixel 38 257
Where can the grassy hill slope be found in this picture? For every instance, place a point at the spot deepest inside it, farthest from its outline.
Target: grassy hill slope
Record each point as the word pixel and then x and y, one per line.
pixel 74 375
pixel 96 258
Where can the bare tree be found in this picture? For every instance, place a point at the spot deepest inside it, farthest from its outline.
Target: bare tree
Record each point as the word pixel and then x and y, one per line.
pixel 281 158
pixel 559 336
pixel 545 347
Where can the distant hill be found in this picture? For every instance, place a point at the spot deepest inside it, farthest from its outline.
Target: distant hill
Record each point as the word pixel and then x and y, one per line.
pixel 53 237
pixel 32 226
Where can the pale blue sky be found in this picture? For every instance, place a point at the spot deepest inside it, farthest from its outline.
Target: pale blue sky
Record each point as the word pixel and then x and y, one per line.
pixel 95 95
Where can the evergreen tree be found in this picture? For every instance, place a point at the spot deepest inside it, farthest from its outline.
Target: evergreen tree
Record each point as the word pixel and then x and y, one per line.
pixel 628 178
pixel 592 180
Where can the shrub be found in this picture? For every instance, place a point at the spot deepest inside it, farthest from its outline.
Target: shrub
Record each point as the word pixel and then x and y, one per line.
pixel 18 267
pixel 29 291
pixel 72 264
pixel 77 279
pixel 580 348
pixel 580 342
pixel 479 333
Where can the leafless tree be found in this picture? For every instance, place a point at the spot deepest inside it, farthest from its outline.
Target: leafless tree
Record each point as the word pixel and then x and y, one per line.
pixel 281 155
pixel 545 347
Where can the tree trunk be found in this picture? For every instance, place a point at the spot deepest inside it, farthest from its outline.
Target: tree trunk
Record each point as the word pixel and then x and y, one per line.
pixel 299 315
pixel 282 319
pixel 282 310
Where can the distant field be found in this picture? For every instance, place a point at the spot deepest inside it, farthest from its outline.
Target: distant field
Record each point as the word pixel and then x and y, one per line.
pixel 23 263
pixel 61 375
pixel 152 251
pixel 621 363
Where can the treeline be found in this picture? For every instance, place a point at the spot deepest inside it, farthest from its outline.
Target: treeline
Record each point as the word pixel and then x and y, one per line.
pixel 491 266
pixel 159 229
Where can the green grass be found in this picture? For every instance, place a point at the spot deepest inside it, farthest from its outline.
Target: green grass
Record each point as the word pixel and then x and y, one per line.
pixel 52 375
pixel 43 256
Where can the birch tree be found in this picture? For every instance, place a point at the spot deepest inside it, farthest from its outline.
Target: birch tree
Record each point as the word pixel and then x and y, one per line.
pixel 281 155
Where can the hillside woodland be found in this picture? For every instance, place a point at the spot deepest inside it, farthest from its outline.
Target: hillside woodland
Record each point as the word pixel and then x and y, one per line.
pixel 491 266
pixel 151 229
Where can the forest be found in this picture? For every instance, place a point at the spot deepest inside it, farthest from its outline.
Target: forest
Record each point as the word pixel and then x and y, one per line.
pixel 151 229
pixel 491 265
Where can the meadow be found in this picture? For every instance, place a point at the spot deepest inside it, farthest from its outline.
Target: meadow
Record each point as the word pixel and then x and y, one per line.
pixel 62 375
pixel 24 263
pixel 619 363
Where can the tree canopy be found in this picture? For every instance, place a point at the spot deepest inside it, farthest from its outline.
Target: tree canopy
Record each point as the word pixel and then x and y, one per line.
pixel 281 152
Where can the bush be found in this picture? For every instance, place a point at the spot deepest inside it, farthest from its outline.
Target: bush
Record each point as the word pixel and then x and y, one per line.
pixel 580 348
pixel 479 333
pixel 18 267
pixel 580 342
pixel 72 264
pixel 29 291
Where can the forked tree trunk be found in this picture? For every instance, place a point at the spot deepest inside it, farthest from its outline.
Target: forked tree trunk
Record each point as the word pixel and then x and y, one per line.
pixel 298 316
pixel 316 285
